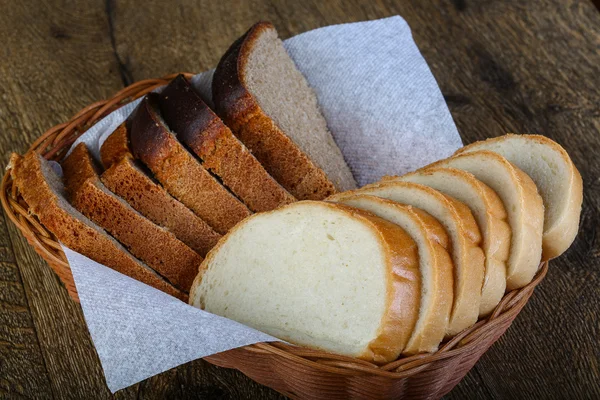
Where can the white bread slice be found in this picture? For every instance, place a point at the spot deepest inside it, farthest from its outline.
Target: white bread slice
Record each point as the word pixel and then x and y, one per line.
pixel 557 179
pixel 523 205
pixel 465 239
pixel 435 265
pixel 317 274
pixel 489 212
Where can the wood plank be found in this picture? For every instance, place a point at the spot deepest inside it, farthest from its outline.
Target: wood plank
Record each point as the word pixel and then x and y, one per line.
pixel 57 58
pixel 22 366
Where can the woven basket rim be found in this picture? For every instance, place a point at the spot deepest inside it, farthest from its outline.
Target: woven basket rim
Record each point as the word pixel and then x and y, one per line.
pixel 53 145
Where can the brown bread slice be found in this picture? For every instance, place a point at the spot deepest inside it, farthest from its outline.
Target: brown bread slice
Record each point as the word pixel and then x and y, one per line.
pixel 155 245
pixel 43 190
pixel 115 147
pixel 179 172
pixel 128 181
pixel 265 100
pixel 203 132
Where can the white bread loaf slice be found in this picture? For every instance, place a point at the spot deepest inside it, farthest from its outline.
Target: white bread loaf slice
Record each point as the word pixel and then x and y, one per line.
pixel 557 179
pixel 523 205
pixel 435 266
pixel 489 212
pixel 317 274
pixel 465 239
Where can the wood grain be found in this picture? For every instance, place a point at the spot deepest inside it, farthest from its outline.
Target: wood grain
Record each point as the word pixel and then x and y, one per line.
pixel 502 66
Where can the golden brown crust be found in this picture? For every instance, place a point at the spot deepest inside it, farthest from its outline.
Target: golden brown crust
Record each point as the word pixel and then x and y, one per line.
pixel 280 156
pixel 559 236
pixel 159 248
pixel 126 180
pixel 198 127
pixel 115 147
pixel 404 285
pixel 78 234
pixel 179 172
pixel 77 167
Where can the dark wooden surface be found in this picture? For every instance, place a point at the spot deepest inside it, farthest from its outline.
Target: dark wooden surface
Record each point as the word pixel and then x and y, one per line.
pixel 503 66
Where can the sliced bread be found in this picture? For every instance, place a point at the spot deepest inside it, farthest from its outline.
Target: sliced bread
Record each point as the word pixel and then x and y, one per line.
pixel 268 104
pixel 127 180
pixel 43 190
pixel 156 246
pixel 489 212
pixel 557 179
pixel 522 203
pixel 179 172
pixel 203 132
pixel 317 274
pixel 435 266
pixel 465 239
pixel 115 147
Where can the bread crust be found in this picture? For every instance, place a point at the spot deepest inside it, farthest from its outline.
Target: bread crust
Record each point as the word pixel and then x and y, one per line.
pixel 467 256
pixel 199 128
pixel 179 172
pixel 159 248
pixel 115 147
pixel 127 181
pixel 77 233
pixel 435 318
pixel 280 156
pixel 561 234
pixel 403 285
pixel 496 236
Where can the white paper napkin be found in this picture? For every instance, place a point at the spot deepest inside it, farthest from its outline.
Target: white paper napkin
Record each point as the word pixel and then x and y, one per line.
pixel 386 113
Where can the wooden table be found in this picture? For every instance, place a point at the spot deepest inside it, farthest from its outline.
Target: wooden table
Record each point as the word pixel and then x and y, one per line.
pixel 503 66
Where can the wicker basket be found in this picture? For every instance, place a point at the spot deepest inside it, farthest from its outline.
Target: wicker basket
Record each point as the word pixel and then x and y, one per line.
pixel 294 371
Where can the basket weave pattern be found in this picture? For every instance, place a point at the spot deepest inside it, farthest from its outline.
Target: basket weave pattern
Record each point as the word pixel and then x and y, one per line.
pixel 294 371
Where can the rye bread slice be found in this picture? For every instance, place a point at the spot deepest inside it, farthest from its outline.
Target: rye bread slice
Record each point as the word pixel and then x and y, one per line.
pixel 182 175
pixel 265 100
pixel 43 190
pixel 156 246
pixel 128 180
pixel 115 147
pixel 205 134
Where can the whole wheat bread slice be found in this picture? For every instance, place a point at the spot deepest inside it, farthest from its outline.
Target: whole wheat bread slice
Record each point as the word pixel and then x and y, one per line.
pixel 265 100
pixel 523 205
pixel 115 147
pixel 128 180
pixel 156 246
pixel 203 132
pixel 43 190
pixel 179 172
pixel 465 240
pixel 435 266
pixel 557 179
pixel 489 212
pixel 317 274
